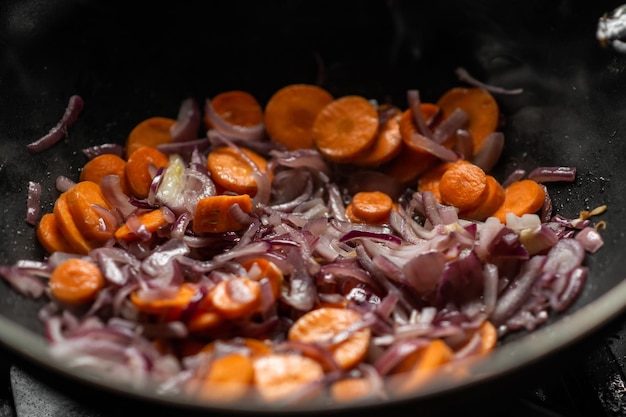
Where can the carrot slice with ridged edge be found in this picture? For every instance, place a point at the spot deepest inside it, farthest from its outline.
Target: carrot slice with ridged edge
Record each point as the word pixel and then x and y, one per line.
pixel 152 132
pixel 138 171
pixel 50 236
pixel 82 199
pixel 231 171
pixel 345 129
pixel 76 281
pixel 238 108
pixel 290 113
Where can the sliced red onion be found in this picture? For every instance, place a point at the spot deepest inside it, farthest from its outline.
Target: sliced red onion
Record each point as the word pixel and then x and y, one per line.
pixel 112 191
pixel 73 109
pixel 256 132
pixel 590 238
pixel 187 123
pixel 63 183
pixel 553 174
pixel 490 151
pixel 464 144
pixel 184 147
pixel 300 158
pixel 423 272
pixel 421 142
pixel 514 176
pixel 361 234
pixel 33 209
pixel 575 284
pixel 413 99
pixel 457 120
pixel 464 75
pixel 24 283
pixel 105 148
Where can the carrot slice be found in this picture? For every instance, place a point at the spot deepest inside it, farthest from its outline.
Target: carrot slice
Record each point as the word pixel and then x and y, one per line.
pixel 420 366
pixel 290 113
pixel 371 207
pixel 255 348
pixel 151 132
pixel 50 236
pixel 350 389
pixel 138 175
pixel 411 162
pixel 76 281
pixel 82 199
pixel 429 181
pixel 521 197
pixel 238 108
pixel 68 227
pixel 345 128
pixel 280 375
pixel 163 306
pixel 387 145
pixel 213 213
pixel 236 298
pixel 493 201
pixel 320 325
pixel 227 379
pixel 463 186
pixel 152 220
pixel 481 108
pixel 231 171
pixel 202 321
pixel 488 336
pixel 103 165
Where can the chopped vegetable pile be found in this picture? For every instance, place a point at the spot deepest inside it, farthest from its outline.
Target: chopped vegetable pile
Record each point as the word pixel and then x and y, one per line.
pixel 303 251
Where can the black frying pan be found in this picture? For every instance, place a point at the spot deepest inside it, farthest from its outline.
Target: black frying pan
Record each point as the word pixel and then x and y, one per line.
pixel 129 64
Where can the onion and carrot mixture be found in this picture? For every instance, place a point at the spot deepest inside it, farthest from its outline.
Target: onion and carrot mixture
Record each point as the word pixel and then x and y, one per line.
pixel 308 250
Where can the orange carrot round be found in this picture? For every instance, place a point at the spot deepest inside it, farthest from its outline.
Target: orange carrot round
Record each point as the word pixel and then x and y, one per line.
pixel 280 375
pixel 290 113
pixel 82 199
pixel 103 165
pixel 138 165
pixel 152 220
pixel 67 226
pixel 521 197
pixel 463 186
pixel 227 379
pixel 420 366
pixel 320 325
pixel 76 281
pixel 151 132
pixel 164 306
pixel 388 143
pixel 371 207
pixel 236 298
pixel 50 236
pixel 481 108
pixel 232 172
pixel 238 108
pixel 212 214
pixel 346 128
pixel 493 200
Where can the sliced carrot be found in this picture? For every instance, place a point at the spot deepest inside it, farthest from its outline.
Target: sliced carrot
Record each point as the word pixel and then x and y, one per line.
pixel 213 215
pixel 521 197
pixel 322 324
pixel 82 199
pixel 50 236
pixel 103 165
pixel 463 186
pixel 411 162
pixel 152 220
pixel 76 281
pixel 488 337
pixel 238 108
pixel 371 207
pixel 231 171
pixel 429 181
pixel 260 268
pixel 151 132
pixel 163 306
pixel 227 379
pixel 420 366
pixel 388 143
pixel 281 375
pixel 68 227
pixel 481 108
pixel 350 389
pixel 290 113
pixel 236 298
pixel 493 201
pixel 202 321
pixel 346 128
pixel 138 166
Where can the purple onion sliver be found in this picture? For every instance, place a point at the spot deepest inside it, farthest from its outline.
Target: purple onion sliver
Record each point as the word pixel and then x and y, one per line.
pixel 253 133
pixel 182 147
pixel 63 183
pixel 360 234
pixel 490 151
pixel 105 148
pixel 73 109
pixel 516 175
pixel 458 119
pixel 590 238
pixel 187 123
pixel 464 144
pixel 553 174
pixel 466 77
pixel 413 99
pixel 428 145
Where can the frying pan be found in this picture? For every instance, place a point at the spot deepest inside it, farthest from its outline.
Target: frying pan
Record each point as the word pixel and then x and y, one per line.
pixel 132 63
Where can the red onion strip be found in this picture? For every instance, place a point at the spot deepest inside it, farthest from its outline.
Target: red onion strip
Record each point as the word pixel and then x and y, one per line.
pixel 73 109
pixel 33 209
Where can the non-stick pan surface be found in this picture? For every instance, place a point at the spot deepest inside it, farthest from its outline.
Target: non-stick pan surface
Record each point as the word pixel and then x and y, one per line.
pixel 132 63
